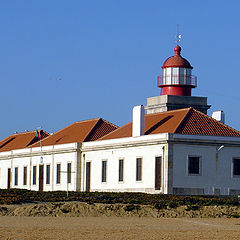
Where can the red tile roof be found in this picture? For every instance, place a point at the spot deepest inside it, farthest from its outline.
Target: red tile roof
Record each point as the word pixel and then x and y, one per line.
pixel 201 124
pixel 20 140
pixel 182 121
pixel 88 130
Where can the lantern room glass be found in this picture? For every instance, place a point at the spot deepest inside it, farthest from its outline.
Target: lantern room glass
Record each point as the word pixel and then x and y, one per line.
pixel 177 76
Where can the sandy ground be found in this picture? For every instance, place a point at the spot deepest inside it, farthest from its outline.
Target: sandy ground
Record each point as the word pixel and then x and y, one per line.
pixel 12 227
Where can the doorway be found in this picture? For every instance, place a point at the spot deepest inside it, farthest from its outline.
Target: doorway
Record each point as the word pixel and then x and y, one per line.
pixel 88 176
pixel 158 175
pixel 40 178
pixel 9 178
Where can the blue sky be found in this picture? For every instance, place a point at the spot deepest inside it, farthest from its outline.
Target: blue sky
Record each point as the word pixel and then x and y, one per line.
pixel 65 61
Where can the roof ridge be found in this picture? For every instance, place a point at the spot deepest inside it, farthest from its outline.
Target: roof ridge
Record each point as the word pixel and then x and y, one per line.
pixel 92 129
pixel 91 119
pixel 184 119
pixel 17 133
pixel 115 130
pixel 164 112
pixel 66 128
pixel 168 116
pixel 110 123
pixel 33 131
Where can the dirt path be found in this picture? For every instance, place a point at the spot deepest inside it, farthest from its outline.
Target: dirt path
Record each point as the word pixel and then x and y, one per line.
pixel 117 228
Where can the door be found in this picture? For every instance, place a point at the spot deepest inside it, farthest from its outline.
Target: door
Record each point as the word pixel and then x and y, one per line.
pixel 40 178
pixel 9 178
pixel 158 177
pixel 88 176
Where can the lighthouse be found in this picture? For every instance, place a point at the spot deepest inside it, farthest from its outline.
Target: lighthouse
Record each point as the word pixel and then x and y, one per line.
pixel 177 78
pixel 176 84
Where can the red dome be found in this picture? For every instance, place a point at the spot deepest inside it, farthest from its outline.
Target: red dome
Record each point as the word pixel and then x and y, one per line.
pixel 177 60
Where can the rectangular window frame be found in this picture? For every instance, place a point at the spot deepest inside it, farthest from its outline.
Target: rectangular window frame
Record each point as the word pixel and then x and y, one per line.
pixel 120 170
pixel 25 173
pixel 48 173
pixel 200 165
pixel 34 180
pixel 16 176
pixel 58 173
pixel 232 168
pixel 104 171
pixel 156 173
pixel 69 173
pixel 139 167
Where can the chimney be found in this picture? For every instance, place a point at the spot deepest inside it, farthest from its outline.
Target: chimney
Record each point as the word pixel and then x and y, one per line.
pixel 219 116
pixel 138 121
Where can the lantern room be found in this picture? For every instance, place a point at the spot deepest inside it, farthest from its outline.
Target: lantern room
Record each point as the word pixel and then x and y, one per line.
pixel 177 78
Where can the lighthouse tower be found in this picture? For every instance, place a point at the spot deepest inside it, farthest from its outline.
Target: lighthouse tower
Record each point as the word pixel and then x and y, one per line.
pixel 177 76
pixel 176 83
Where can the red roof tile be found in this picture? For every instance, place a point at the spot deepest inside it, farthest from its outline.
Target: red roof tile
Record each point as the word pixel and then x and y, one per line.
pixel 20 140
pixel 88 130
pixel 201 124
pixel 182 121
pixel 154 123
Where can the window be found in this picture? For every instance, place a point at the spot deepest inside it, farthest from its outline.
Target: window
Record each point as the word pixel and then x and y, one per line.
pixel 194 165
pixel 34 175
pixel 139 169
pixel 236 167
pixel 69 171
pixel 48 174
pixel 16 176
pixel 25 176
pixel 104 171
pixel 120 172
pixel 158 171
pixel 58 173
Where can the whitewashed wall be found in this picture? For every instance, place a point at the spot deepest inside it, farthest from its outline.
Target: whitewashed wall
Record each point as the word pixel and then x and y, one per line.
pixel 4 165
pixel 127 149
pixel 215 171
pixel 52 155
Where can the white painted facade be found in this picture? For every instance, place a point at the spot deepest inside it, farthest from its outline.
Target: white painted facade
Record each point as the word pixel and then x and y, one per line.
pixel 35 157
pixel 216 167
pixel 128 149
pixel 215 175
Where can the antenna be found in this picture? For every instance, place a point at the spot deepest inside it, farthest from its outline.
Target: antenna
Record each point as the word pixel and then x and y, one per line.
pixel 179 36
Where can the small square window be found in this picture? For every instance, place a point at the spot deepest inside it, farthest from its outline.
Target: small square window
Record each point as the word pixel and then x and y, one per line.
pixel 236 167
pixel 194 165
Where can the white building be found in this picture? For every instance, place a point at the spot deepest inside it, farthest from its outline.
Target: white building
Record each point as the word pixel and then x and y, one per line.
pixel 170 157
pixel 175 148
pixel 55 163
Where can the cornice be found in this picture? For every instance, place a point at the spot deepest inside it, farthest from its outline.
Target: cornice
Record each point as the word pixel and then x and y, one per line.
pixel 39 153
pixel 141 143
